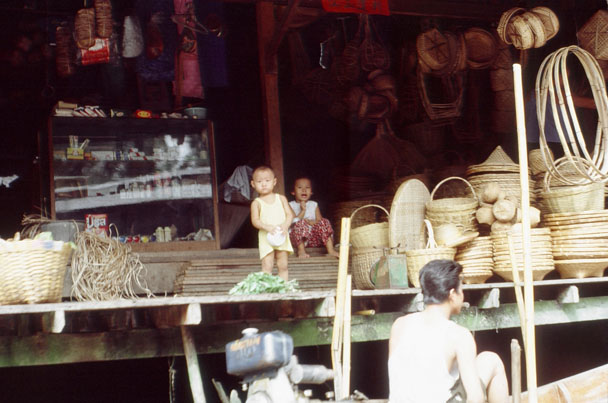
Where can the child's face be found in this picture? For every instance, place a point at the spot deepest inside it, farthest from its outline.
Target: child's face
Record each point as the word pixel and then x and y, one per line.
pixel 264 182
pixel 302 190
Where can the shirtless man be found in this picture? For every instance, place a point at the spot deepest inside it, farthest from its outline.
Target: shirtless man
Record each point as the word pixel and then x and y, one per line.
pixel 433 359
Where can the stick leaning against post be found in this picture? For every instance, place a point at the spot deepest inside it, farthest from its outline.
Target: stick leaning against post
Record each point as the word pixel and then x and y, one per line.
pixel 527 253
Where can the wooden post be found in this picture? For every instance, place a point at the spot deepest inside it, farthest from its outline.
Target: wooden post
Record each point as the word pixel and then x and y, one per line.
pixel 515 371
pixel 337 334
pixel 270 92
pixel 346 340
pixel 194 371
pixel 526 241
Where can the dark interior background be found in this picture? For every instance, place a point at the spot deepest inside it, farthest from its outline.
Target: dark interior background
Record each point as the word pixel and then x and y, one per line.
pixel 314 142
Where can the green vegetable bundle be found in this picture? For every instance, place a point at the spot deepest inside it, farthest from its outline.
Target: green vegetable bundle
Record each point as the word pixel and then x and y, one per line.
pixel 262 283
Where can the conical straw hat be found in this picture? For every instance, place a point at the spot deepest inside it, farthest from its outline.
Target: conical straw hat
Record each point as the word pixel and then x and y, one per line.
pixel 499 157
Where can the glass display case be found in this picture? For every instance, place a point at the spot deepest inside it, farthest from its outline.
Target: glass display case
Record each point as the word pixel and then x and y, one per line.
pixel 151 180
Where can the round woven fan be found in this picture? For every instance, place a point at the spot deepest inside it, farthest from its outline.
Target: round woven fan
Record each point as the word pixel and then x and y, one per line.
pixel 481 48
pixel 433 48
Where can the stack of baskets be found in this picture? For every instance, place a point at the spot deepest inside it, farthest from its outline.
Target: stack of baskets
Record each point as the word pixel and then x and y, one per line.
pixel 417 258
pixel 453 210
pixel 476 260
pixel 498 168
pixel 369 243
pixel 542 255
pixel 32 271
pixel 580 242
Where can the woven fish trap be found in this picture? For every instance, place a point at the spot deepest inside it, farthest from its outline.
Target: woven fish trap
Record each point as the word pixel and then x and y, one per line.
pixel 453 210
pixel 103 18
pixel 417 258
pixel 84 28
pixel 503 60
pixel 520 33
pixel 372 52
pixel 548 19
pixel 374 235
pixel 538 30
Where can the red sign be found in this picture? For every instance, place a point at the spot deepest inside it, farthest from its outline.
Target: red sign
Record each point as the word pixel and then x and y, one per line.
pixel 357 6
pixel 96 223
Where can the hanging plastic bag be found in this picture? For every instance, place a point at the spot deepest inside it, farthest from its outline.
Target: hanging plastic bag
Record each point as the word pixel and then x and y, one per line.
pixel 133 39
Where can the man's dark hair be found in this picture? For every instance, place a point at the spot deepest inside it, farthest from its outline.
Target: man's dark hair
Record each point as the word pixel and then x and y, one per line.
pixel 437 278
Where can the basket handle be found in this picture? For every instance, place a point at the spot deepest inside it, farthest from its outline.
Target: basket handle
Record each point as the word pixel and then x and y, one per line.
pixel 369 205
pixel 451 178
pixel 430 241
pixel 553 171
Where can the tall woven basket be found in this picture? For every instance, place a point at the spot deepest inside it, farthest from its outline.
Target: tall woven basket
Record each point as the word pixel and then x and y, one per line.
pixel 32 271
pixel 369 242
pixel 417 258
pixel 453 210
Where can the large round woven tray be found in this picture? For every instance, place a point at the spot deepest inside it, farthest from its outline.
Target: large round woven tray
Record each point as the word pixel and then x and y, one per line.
pixel 407 215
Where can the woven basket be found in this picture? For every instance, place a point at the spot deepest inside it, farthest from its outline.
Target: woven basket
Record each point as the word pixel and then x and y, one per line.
pixel 453 210
pixel 593 36
pixel 501 80
pixel 573 198
pixel 370 235
pixel 417 258
pixel 362 260
pixel 32 271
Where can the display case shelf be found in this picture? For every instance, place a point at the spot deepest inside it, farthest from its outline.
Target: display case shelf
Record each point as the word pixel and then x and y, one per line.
pixel 142 173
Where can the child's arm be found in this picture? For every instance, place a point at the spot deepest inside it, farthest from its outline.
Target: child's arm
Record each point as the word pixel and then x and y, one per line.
pixel 318 216
pixel 289 214
pixel 255 218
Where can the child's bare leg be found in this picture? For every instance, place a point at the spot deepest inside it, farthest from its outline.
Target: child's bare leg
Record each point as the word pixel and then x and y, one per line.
pixel 282 264
pixel 302 250
pixel 268 263
pixel 330 248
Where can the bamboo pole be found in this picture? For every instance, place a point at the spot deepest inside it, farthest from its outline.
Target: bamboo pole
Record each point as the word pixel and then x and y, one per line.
pixel 337 334
pixel 517 286
pixel 515 371
pixel 525 223
pixel 346 341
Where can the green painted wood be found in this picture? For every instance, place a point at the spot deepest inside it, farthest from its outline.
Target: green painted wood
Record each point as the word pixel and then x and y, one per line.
pixel 45 349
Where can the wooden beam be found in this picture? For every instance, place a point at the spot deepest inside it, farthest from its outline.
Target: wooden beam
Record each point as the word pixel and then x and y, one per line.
pixel 270 93
pixel 64 348
pixel 279 33
pixel 474 10
pixel 194 370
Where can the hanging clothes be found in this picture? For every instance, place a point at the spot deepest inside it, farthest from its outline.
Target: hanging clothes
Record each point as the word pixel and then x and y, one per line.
pixel 157 62
pixel 212 46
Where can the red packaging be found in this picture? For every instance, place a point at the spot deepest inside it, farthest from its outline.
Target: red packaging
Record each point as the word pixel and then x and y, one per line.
pixel 96 54
pixel 357 6
pixel 96 223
